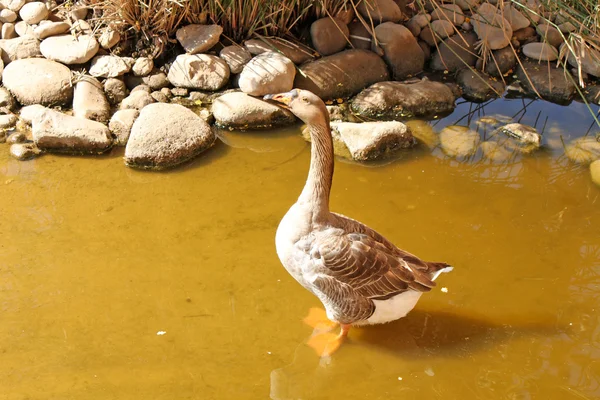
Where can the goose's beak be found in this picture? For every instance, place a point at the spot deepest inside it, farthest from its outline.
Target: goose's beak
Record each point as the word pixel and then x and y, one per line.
pixel 284 99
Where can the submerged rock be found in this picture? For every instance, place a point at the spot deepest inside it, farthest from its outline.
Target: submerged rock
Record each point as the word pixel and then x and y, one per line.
pixel 373 140
pixel 423 132
pixel 342 75
pixel 16 137
pixel 522 133
pixel 266 73
pixel 24 151
pixel 459 141
pixel 395 100
pixel 57 132
pixel 8 121
pixel 495 151
pixel 166 135
pixel 38 81
pixel 583 150
pixel 240 111
pixel 595 172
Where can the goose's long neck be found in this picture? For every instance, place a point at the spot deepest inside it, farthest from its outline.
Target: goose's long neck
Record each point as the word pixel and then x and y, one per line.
pixel 318 184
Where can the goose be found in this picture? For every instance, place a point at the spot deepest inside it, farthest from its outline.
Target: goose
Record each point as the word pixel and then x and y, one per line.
pixel 360 277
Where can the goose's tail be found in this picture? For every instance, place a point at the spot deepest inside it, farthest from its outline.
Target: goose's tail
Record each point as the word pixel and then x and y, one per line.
pixel 438 268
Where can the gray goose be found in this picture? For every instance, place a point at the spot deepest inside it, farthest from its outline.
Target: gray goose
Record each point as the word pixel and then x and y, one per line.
pixel 360 277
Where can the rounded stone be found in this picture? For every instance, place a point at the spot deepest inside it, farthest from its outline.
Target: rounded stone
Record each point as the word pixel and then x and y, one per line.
pixel 236 57
pixel 38 81
pixel 459 141
pixel 329 35
pixel 69 49
pixel 266 73
pixel 34 12
pixel 540 51
pixel 199 71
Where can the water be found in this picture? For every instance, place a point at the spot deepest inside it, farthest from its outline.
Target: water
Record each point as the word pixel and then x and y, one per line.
pixel 121 284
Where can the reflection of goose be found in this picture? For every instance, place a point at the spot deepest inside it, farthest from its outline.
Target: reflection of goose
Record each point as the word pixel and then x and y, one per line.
pixel 360 277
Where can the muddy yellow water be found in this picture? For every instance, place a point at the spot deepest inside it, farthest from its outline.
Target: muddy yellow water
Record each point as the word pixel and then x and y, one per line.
pixel 120 284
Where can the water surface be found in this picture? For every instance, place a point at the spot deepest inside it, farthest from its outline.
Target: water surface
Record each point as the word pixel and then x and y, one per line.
pixel 121 284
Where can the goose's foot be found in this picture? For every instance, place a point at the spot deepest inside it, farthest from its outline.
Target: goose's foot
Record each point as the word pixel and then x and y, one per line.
pixel 325 344
pixel 317 319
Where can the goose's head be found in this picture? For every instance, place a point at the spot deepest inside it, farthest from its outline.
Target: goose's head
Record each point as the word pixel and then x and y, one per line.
pixel 303 104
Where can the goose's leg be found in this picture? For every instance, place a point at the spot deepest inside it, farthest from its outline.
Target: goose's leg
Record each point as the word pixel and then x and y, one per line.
pixel 325 344
pixel 317 318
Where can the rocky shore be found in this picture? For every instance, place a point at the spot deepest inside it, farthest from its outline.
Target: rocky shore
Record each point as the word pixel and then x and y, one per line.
pixel 66 88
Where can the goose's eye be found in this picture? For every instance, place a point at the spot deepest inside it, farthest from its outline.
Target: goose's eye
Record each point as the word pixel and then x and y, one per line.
pixel 304 99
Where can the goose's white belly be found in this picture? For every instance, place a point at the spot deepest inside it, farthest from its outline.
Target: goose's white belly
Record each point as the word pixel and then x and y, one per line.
pixel 393 308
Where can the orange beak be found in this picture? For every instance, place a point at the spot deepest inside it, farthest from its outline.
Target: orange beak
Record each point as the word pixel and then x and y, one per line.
pixel 284 99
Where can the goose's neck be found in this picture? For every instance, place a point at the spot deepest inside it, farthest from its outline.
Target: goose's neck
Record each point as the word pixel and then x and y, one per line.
pixel 318 184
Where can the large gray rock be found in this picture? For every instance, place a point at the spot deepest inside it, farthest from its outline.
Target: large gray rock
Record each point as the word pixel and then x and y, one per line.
pixel 295 52
pixel 448 12
pixel 459 141
pixel 401 50
pixel 589 58
pixel 514 17
pixel 540 51
pixel 359 35
pixel 89 100
pixel 109 66
pixel 549 34
pixel 57 132
pixel 550 83
pixel 501 62
pixel 396 100
pixel 70 49
pixel 373 140
pixel 198 38
pixel 491 27
pixel 199 71
pixel 380 11
pixel 166 135
pixel 238 110
pixel 266 73
pixel 236 57
pixel 120 125
pixel 455 53
pixel 342 74
pixel 19 48
pixel 38 81
pixel 329 35
pixel 478 87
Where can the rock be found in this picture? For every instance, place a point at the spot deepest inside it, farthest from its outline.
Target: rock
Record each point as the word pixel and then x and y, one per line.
pixel 199 71
pixel 491 28
pixel 467 27
pixel 423 132
pixel 478 87
pixel 459 141
pixel 136 100
pixel 57 132
pixel 6 99
pixel 120 125
pixel 156 80
pixel 380 11
pixel 16 137
pixel 8 31
pixel 38 81
pixel 550 34
pixel 8 121
pixel 79 13
pixel 236 57
pixel 567 27
pixel 442 28
pixel 526 137
pixel 115 90
pixel 240 111
pixel 583 150
pixel 89 100
pixel 109 66
pixel 373 140
pixel 142 87
pixel 395 100
pixel 166 135
pixel 590 58
pixel 13 5
pixel 22 28
pixel 595 172
pixel 448 12
pixel 514 17
pixel 29 113
pixel 501 62
pixel 109 38
pixel 34 12
pixel 540 51
pixel 329 36
pixel 45 30
pixel 24 151
pixel 143 66
pixel 68 49
pixel 455 52
pixel 198 38
pixel 19 48
pixel 401 50
pixel 591 93
pixel 426 49
pixel 342 75
pixel 467 5
pixel 551 83
pixel 179 92
pixel 524 35
pixel 411 25
pixel 159 96
pixel 7 16
pixel 293 51
pixel 428 36
pixel 267 73
pixel 495 151
pixel 81 27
